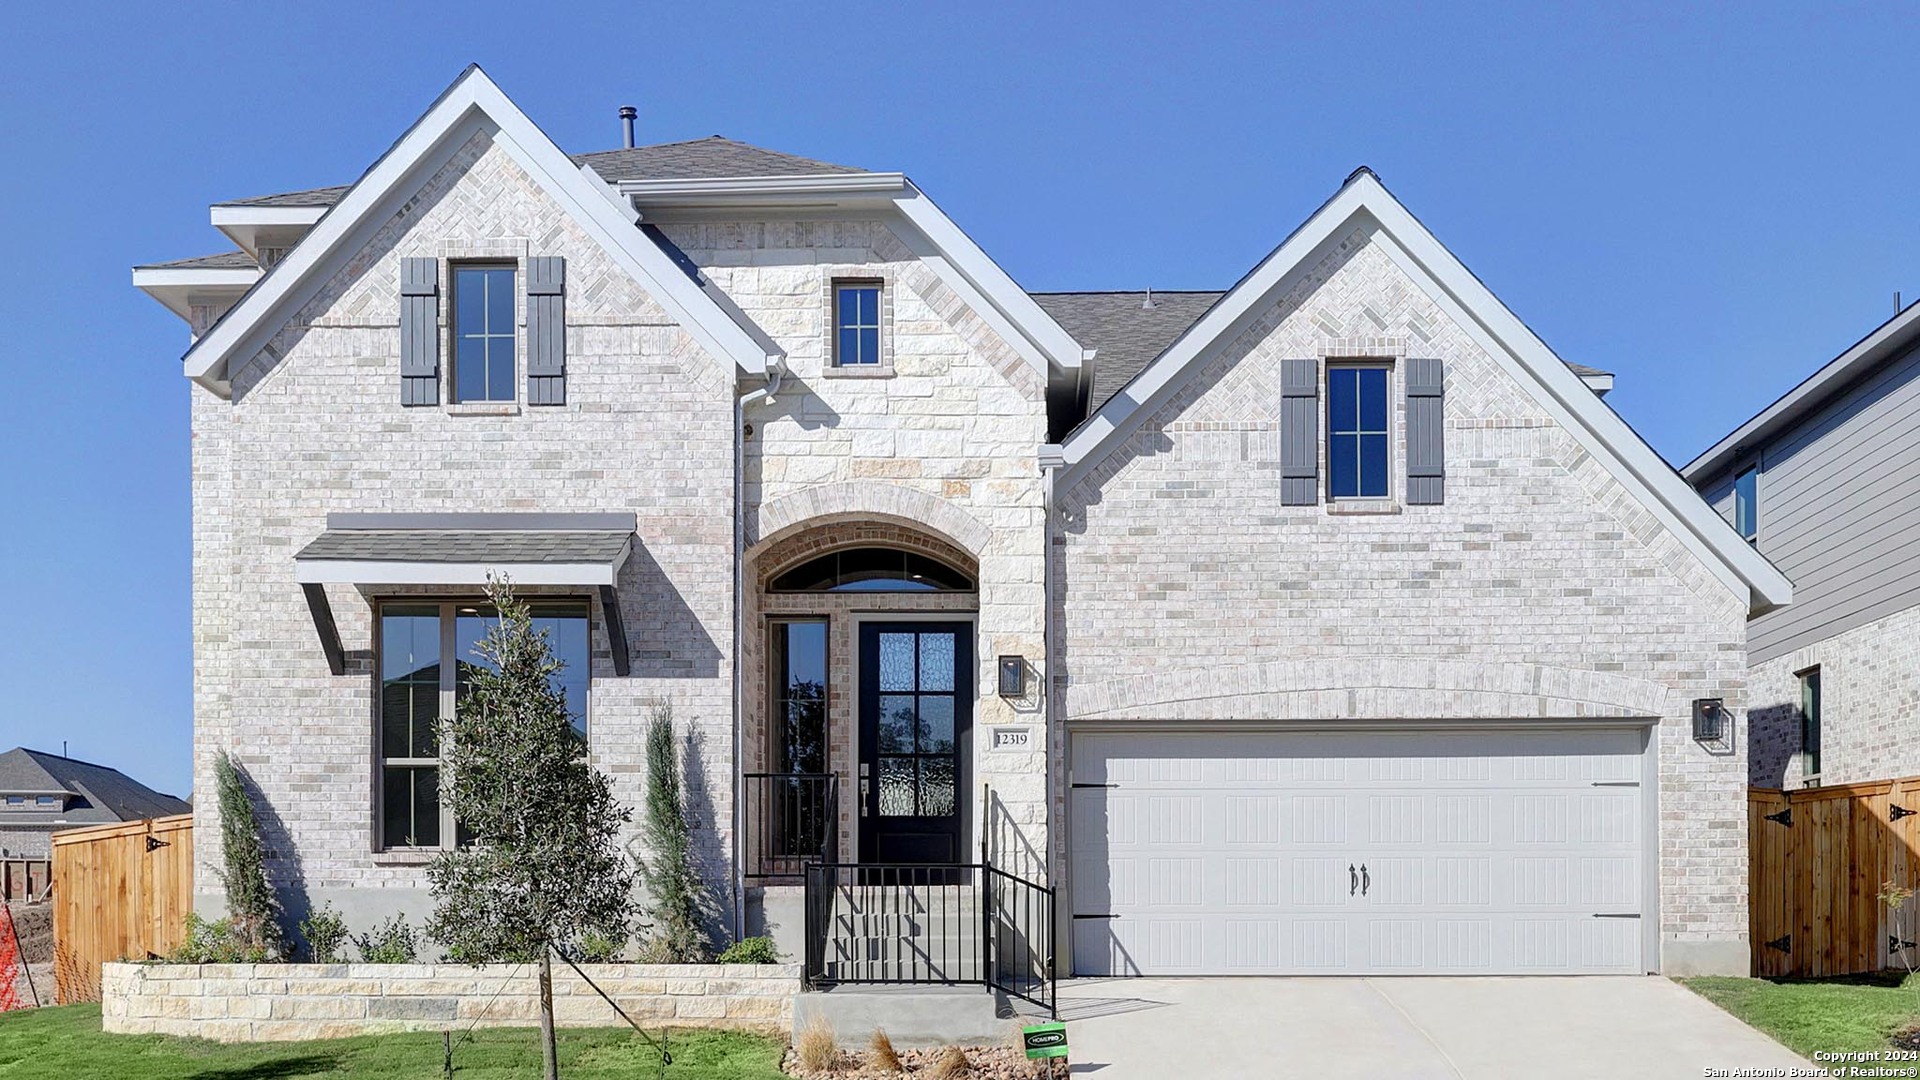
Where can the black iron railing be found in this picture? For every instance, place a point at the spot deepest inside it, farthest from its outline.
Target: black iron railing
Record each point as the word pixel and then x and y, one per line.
pixel 792 819
pixel 944 924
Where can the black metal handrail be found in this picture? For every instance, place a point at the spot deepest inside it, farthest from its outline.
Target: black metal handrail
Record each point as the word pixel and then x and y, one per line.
pixel 792 819
pixel 941 924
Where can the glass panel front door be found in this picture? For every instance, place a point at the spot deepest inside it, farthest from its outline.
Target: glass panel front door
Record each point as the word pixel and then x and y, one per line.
pixel 916 703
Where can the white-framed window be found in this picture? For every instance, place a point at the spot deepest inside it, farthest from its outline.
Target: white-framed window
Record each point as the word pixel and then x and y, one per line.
pixel 418 685
pixel 1359 434
pixel 483 332
pixel 1746 503
pixel 856 323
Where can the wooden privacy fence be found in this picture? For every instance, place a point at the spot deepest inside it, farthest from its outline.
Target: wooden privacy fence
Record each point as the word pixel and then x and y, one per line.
pixel 1819 857
pixel 121 892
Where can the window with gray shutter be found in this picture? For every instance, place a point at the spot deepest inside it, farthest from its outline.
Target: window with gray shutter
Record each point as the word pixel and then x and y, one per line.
pixel 419 331
pixel 1299 432
pixel 1426 432
pixel 546 330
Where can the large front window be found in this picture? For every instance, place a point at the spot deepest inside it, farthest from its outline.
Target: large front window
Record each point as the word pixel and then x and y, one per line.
pixel 418 687
pixel 483 333
pixel 1357 432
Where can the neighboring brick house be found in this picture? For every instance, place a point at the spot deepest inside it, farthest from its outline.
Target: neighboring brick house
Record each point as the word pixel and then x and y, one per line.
pixel 42 794
pixel 1199 607
pixel 1825 482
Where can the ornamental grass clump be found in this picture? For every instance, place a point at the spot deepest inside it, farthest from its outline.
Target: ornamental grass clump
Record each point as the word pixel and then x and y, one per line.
pixel 817 1048
pixel 881 1055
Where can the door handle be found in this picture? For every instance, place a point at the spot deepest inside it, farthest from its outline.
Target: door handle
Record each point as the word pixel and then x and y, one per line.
pixel 1365 881
pixel 1353 880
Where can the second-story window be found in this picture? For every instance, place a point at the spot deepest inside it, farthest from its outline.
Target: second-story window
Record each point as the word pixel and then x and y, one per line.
pixel 856 323
pixel 1357 458
pixel 483 368
pixel 1746 504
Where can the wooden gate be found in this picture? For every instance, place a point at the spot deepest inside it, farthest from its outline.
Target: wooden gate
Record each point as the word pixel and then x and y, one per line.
pixel 1819 857
pixel 120 892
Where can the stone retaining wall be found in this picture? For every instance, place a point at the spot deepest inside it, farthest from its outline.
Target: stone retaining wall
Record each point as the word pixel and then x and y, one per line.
pixel 287 1002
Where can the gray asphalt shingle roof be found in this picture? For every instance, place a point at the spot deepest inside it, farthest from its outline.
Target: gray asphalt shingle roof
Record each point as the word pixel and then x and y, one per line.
pixel 1128 335
pixel 467 546
pixel 103 794
pixel 713 157
pixel 226 260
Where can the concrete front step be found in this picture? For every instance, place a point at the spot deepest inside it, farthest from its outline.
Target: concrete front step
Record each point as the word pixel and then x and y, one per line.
pixel 912 1016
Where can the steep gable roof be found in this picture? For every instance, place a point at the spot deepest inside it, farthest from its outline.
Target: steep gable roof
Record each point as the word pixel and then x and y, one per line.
pixel 1835 377
pixel 1363 202
pixel 471 104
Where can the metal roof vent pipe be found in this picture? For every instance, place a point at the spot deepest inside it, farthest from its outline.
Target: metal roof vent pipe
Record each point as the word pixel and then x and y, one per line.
pixel 627 116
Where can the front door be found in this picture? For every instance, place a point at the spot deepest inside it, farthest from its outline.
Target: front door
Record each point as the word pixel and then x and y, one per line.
pixel 916 705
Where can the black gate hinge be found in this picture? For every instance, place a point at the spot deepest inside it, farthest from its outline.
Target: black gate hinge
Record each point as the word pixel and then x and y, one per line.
pixel 154 843
pixel 1783 943
pixel 1895 812
pixel 1894 944
pixel 1784 817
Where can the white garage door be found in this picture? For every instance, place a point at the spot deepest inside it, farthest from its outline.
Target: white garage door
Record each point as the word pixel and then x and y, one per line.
pixel 1387 853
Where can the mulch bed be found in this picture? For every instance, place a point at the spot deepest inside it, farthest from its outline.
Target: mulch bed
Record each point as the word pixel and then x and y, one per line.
pixel 983 1063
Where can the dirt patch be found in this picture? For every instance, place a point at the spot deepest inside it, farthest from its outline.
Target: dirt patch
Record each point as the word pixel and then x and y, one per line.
pixel 34 924
pixel 983 1063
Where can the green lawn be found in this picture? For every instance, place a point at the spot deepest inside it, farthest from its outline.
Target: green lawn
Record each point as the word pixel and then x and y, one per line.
pixel 1857 1012
pixel 65 1043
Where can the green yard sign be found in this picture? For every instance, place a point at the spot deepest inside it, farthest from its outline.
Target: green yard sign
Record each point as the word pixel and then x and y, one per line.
pixel 1045 1040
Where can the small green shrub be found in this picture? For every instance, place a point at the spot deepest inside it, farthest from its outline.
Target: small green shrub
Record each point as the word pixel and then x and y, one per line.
pixel 751 950
pixel 326 934
pixel 392 942
pixel 598 948
pixel 216 942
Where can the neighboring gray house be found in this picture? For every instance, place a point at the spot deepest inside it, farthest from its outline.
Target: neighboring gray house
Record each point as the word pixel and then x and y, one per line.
pixel 42 793
pixel 1326 624
pixel 1825 482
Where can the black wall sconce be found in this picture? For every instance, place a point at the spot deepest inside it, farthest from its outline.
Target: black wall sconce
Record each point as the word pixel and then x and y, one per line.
pixel 1710 720
pixel 1013 677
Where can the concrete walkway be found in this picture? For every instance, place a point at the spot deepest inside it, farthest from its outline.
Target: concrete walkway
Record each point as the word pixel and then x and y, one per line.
pixel 1404 1028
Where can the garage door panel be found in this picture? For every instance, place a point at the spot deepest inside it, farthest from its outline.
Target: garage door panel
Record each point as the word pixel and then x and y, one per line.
pixel 1345 854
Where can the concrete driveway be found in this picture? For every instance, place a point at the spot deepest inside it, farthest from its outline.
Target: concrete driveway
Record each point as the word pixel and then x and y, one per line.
pixel 1404 1028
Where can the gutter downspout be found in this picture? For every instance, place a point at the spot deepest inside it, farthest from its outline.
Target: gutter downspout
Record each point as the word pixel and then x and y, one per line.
pixel 1051 462
pixel 776 371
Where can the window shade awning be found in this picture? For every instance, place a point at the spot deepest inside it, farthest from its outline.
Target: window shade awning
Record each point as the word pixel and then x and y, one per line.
pixel 463 549
pixel 583 550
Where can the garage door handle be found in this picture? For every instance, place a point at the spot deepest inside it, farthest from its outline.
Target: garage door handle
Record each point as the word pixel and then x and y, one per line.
pixel 1365 881
pixel 1353 880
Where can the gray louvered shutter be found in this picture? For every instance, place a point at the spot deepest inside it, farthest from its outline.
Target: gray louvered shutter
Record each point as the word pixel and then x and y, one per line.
pixel 1426 432
pixel 546 330
pixel 419 331
pixel 1299 432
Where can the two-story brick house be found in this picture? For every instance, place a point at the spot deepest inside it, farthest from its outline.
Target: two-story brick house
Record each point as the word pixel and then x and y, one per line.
pixel 1825 483
pixel 1329 624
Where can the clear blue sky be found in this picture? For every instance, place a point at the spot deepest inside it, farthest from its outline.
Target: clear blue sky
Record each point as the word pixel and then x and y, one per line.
pixel 1708 205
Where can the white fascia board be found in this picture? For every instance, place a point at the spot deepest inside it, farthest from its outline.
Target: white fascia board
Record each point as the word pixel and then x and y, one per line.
pixel 989 280
pixel 472 103
pixel 255 217
pixel 1889 337
pixel 372 572
pixel 175 289
pixel 1363 201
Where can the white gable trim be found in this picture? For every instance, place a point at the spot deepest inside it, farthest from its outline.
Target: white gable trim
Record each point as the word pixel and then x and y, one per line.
pixel 1363 202
pixel 472 103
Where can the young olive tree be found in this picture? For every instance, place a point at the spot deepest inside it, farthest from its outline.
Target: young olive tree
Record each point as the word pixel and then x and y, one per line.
pixel 539 866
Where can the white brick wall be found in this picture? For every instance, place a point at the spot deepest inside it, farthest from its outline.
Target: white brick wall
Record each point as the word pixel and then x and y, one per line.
pixel 1869 706
pixel 647 429
pixel 1540 587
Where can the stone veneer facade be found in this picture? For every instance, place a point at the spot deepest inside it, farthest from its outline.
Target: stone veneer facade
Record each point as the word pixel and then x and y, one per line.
pixel 1540 588
pixel 942 443
pixel 1869 706
pixel 297 1002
